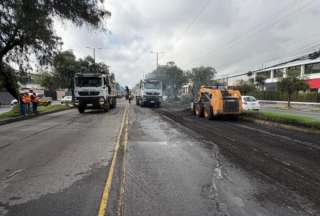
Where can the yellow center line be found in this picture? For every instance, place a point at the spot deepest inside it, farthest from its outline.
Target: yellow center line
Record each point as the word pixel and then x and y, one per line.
pixel 106 191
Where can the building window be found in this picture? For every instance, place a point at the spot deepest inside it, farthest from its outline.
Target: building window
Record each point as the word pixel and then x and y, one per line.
pixel 278 73
pixel 294 71
pixel 264 74
pixel 312 68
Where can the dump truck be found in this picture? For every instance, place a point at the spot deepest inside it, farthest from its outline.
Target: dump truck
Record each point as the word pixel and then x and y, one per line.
pixel 217 100
pixel 94 91
pixel 149 92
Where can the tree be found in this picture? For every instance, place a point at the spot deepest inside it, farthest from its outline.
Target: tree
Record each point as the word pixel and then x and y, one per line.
pixel 291 85
pixel 260 79
pixel 48 81
pixel 65 67
pixel 26 27
pixel 201 76
pixel 172 78
pixel 245 87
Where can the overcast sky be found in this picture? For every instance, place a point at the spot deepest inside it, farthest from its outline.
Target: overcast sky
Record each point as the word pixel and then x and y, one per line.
pixel 234 36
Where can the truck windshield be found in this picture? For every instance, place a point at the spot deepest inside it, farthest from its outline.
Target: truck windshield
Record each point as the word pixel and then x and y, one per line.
pixel 88 81
pixel 152 85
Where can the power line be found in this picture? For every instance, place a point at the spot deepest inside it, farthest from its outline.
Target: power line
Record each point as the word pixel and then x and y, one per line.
pixel 255 30
pixel 193 21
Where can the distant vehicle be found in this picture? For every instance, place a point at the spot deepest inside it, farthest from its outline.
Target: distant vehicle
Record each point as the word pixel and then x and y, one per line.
pixel 94 91
pixel 149 93
pixel 13 102
pixel 250 103
pixel 66 99
pixel 215 101
pixel 45 101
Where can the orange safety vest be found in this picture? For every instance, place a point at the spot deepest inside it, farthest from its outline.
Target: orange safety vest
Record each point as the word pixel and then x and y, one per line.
pixel 34 99
pixel 27 99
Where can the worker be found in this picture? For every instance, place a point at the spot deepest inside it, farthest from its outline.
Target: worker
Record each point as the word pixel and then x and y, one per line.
pixel 34 101
pixel 22 104
pixel 27 102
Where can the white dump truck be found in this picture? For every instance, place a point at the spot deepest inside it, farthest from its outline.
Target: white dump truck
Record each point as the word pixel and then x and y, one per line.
pixel 94 91
pixel 149 93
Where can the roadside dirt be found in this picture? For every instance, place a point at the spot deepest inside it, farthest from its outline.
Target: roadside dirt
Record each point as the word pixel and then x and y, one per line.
pixel 279 156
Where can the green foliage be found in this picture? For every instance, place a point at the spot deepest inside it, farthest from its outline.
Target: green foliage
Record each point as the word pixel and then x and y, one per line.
pixel 201 76
pixel 245 87
pixel 48 81
pixel 172 78
pixel 15 111
pixel 65 67
pixel 286 119
pixel 291 85
pixel 26 27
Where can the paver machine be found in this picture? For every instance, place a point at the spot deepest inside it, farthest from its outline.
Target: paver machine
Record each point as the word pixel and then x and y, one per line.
pixel 217 100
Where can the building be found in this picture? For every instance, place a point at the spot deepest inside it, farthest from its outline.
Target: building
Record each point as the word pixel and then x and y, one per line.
pixel 304 68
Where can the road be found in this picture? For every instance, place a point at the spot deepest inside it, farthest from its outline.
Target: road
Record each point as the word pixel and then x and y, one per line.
pixel 180 165
pixel 56 164
pixel 4 109
pixel 174 164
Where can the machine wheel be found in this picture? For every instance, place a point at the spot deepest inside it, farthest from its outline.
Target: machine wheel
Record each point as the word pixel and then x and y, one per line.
pixel 207 112
pixel 81 109
pixel 199 110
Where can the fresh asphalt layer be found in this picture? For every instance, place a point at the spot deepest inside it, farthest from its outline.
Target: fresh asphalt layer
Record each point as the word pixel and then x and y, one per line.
pixel 174 170
pixel 56 164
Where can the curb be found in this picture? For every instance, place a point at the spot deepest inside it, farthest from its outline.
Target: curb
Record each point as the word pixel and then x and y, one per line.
pixel 281 125
pixel 8 121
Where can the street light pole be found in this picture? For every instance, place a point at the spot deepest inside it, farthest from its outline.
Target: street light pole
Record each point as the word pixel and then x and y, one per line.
pixel 157 57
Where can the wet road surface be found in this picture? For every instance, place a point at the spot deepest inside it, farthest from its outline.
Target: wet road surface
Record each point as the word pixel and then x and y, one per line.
pixel 56 164
pixel 175 164
pixel 179 165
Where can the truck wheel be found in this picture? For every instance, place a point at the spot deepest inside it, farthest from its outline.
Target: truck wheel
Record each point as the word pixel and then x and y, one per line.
pixel 106 106
pixel 207 112
pixel 115 102
pixel 81 109
pixel 199 110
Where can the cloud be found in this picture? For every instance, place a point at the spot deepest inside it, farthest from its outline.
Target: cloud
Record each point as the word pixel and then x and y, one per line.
pixel 232 35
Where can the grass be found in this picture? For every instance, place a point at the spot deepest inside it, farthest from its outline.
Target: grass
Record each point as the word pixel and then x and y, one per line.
pixel 14 112
pixel 290 119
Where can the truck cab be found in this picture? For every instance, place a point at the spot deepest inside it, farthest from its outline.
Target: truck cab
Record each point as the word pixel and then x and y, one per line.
pixel 94 91
pixel 149 93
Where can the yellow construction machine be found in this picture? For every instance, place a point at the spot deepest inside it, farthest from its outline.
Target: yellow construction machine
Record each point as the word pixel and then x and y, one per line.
pixel 217 100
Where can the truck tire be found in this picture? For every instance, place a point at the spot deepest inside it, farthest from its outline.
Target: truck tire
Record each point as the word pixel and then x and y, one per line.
pixel 207 112
pixel 199 110
pixel 115 102
pixel 106 106
pixel 81 109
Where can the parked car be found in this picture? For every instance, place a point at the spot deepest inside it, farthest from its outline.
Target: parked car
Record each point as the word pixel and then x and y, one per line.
pixel 13 102
pixel 45 101
pixel 250 103
pixel 66 99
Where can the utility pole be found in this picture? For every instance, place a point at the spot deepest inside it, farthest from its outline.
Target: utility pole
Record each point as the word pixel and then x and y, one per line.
pixel 94 52
pixel 157 57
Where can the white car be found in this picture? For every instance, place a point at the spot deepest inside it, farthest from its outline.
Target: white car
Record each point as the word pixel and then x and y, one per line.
pixel 250 103
pixel 13 102
pixel 66 99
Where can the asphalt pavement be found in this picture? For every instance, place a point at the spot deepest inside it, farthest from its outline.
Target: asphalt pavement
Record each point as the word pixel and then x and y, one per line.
pixel 178 165
pixel 56 164
pixel 175 164
pixel 5 109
